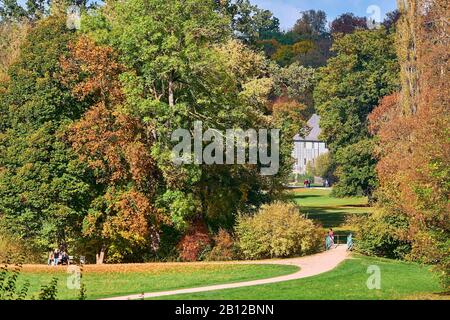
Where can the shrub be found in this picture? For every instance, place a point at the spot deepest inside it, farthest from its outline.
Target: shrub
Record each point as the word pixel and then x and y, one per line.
pixel 194 243
pixel 277 230
pixel 49 292
pixel 15 250
pixel 379 234
pixel 9 290
pixel 224 247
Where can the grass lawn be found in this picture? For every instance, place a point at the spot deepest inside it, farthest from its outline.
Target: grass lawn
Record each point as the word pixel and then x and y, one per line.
pixel 399 280
pixel 330 212
pixel 114 280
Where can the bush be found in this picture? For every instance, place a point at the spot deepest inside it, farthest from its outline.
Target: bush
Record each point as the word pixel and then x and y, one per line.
pixel 15 250
pixel 195 243
pixel 224 247
pixel 9 289
pixel 379 234
pixel 278 230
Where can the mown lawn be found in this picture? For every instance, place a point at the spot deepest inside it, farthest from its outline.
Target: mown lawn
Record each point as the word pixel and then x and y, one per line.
pixel 399 280
pixel 331 212
pixel 115 280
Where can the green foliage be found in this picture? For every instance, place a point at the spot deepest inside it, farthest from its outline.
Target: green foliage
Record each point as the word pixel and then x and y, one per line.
pixel 323 166
pixel 49 291
pixel 43 189
pixel 349 87
pixel 9 289
pixel 379 234
pixel 249 22
pixel 277 230
pixel 356 170
pixel 14 249
pixel 82 292
pixel 87 116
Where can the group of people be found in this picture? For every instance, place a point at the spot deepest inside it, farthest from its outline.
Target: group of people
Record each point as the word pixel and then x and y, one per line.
pixel 329 240
pixel 58 256
pixel 307 183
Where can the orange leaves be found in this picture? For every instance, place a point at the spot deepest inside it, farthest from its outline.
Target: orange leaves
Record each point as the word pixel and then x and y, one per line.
pixel 131 221
pixel 413 129
pixel 115 147
pixel 113 144
pixel 92 70
pixel 384 112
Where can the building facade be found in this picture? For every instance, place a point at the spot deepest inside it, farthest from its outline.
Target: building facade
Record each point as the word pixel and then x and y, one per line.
pixel 307 149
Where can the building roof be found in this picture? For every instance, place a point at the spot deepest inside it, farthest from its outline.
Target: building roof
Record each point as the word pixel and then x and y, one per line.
pixel 313 135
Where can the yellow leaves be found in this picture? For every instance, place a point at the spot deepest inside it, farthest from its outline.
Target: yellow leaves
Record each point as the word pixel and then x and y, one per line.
pixel 303 46
pixel 241 62
pixel 256 91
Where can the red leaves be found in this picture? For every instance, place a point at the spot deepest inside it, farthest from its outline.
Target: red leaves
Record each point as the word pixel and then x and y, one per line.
pixel 194 242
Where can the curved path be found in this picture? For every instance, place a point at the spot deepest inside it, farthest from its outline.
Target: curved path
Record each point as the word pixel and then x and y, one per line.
pixel 309 266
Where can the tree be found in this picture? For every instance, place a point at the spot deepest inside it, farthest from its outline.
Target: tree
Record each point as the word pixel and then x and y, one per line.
pixel 116 147
pixel 323 167
pixel 295 82
pixel 182 68
pixel 349 87
pixel 12 35
pixel 391 19
pixel 347 23
pixel 249 22
pixel 311 24
pixel 412 127
pixel 43 188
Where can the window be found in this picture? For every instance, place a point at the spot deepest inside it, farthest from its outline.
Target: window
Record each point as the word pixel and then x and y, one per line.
pixel 304 161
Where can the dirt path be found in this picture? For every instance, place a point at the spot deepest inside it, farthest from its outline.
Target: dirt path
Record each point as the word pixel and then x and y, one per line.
pixel 309 266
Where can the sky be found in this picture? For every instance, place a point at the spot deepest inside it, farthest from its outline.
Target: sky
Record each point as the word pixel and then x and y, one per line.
pixel 288 11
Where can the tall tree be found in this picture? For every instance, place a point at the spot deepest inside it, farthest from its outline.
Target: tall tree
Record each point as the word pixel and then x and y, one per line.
pixel 311 24
pixel 363 70
pixel 347 23
pixel 43 187
pixel 412 127
pixel 183 66
pixel 116 148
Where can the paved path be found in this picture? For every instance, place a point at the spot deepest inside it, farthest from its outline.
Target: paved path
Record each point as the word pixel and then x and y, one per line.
pixel 309 266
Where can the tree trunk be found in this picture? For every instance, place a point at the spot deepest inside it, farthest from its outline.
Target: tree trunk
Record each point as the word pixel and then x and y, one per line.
pixel 99 257
pixel 171 98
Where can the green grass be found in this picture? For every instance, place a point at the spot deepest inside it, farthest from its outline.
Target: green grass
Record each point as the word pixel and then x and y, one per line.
pixel 108 284
pixel 348 281
pixel 329 211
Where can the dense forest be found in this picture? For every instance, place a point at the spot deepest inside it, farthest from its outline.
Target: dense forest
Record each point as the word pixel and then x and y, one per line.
pixel 87 116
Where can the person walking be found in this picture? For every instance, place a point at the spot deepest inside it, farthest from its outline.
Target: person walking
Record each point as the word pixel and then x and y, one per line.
pixel 350 242
pixel 50 258
pixel 56 257
pixel 331 235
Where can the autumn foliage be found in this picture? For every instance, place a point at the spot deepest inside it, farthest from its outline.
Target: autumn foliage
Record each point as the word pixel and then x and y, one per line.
pixel 194 242
pixel 413 129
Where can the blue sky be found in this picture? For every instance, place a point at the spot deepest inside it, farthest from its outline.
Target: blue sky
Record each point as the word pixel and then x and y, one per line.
pixel 288 11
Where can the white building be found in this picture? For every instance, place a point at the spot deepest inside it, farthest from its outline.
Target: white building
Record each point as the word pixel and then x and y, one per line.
pixel 308 148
